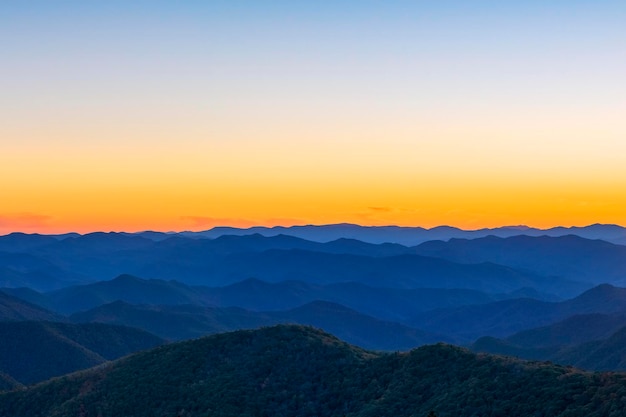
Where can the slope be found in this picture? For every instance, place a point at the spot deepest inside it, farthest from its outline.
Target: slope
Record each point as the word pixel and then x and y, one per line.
pixel 299 371
pixel 34 351
pixel 13 308
pixel 504 318
pixel 594 342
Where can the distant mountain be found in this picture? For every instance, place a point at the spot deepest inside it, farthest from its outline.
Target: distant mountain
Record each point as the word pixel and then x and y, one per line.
pixel 504 318
pixel 16 309
pixel 571 257
pixel 574 330
pixel 98 255
pixel 228 259
pixel 22 242
pixel 299 371
pixel 35 351
pixel 127 288
pixel 103 255
pixel 175 322
pixel 185 322
pixel 210 262
pixel 411 236
pixel 545 343
pixel 573 342
pixel 358 329
pixel 601 355
pixel 408 236
pixel 231 244
pixel 385 303
pixel 608 232
pixel 253 294
pixel 29 295
pixel 402 271
pixel 155 236
pixel 27 270
pixel 496 346
pixel 325 233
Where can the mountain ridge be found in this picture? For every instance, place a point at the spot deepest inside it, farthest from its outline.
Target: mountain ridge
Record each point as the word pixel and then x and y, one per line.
pixel 406 235
pixel 34 351
pixel 300 371
pixel 506 317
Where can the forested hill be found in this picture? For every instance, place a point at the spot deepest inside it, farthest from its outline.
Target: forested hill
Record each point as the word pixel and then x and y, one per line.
pixel 300 371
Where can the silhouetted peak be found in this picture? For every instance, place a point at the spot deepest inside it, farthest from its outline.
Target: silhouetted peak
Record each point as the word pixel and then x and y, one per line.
pixel 127 278
pixel 602 293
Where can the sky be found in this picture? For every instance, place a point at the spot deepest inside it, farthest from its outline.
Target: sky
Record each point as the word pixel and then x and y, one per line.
pixel 185 115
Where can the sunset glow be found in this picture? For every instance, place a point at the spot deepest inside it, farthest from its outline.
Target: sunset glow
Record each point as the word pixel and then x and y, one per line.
pixel 188 115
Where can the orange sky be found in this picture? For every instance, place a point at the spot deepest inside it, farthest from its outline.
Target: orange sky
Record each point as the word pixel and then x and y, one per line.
pixel 192 116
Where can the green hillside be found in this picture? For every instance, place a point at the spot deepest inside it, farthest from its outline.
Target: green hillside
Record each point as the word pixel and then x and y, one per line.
pixel 300 371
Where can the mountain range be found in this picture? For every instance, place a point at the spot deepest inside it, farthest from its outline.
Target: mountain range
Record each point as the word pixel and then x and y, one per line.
pixel 229 259
pixel 71 302
pixel 409 236
pixel 187 321
pixel 503 318
pixel 175 311
pixel 588 341
pixel 571 257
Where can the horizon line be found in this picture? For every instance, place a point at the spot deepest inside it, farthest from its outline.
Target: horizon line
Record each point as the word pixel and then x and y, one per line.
pixel 521 227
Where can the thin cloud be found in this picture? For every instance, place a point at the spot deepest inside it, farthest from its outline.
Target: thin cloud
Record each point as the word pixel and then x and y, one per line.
pixel 19 222
pixel 374 215
pixel 381 209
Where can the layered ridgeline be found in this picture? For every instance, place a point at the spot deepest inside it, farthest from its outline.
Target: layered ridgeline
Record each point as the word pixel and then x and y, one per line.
pixel 469 314
pixel 253 294
pixel 188 321
pixel 503 318
pixel 410 236
pixel 568 256
pixel 564 265
pixel 299 371
pixel 375 318
pixel 391 296
pixel 588 341
pixel 37 344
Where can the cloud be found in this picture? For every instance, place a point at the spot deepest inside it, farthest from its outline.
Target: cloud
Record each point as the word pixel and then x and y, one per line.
pixel 19 222
pixel 380 209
